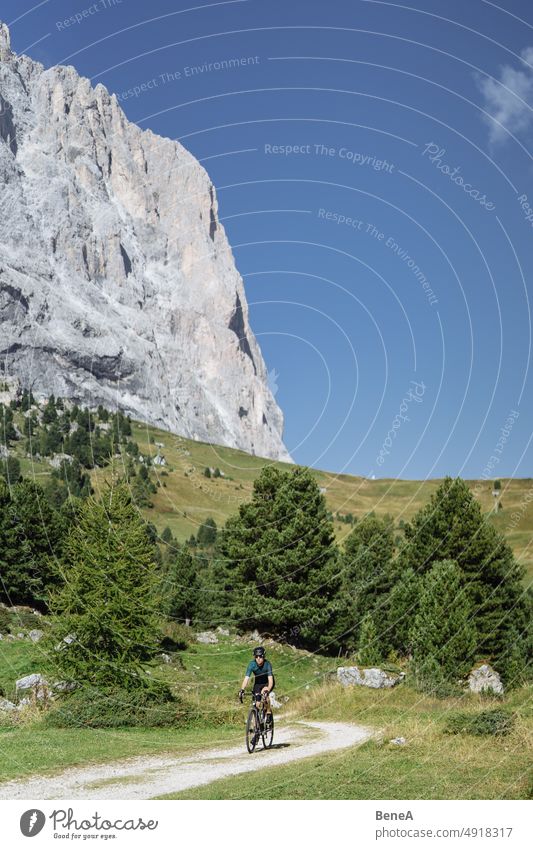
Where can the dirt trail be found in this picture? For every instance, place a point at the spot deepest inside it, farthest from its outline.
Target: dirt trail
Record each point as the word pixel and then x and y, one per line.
pixel 145 777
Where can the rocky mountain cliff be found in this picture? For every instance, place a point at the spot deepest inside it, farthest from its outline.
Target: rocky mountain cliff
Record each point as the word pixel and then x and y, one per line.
pixel 117 282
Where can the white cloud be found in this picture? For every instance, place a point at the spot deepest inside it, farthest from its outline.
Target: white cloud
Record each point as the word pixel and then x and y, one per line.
pixel 509 100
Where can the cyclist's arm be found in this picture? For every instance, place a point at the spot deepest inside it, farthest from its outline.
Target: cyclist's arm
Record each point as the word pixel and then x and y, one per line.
pixel 245 682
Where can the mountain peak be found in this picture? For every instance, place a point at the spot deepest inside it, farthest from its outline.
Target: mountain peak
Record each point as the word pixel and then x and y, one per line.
pixel 5 41
pixel 118 285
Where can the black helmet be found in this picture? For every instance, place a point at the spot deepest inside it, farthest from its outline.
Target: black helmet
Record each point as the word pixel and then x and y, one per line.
pixel 259 651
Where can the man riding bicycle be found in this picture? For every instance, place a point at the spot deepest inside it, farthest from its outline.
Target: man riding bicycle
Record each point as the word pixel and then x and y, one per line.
pixel 261 669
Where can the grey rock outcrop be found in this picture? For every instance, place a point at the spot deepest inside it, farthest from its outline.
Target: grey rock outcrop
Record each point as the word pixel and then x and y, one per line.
pixel 117 282
pixel 36 635
pixel 207 637
pixel 485 679
pixel 35 683
pixel 350 676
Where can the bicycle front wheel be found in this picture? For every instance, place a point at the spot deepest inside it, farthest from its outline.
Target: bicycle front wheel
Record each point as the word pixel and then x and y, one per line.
pixel 252 731
pixel 268 730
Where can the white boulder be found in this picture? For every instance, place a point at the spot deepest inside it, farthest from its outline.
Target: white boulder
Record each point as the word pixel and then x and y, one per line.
pixel 206 637
pixel 485 679
pixel 373 677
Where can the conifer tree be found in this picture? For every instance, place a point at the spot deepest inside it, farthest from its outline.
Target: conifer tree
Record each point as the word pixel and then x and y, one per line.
pixel 109 600
pixel 452 527
pixel 181 587
pixel 443 632
pixel 369 652
pixel 366 579
pixel 282 550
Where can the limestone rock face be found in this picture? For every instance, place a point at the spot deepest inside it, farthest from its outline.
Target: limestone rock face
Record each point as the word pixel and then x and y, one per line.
pixel 117 282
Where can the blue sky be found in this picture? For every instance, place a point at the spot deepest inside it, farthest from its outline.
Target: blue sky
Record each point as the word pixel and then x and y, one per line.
pixel 374 169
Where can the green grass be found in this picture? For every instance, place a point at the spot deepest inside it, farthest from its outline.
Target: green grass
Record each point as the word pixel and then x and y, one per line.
pixel 209 676
pixel 30 750
pixel 431 765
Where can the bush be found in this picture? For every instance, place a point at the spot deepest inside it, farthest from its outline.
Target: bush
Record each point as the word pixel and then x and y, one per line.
pixel 176 637
pixel 489 722
pixel 154 707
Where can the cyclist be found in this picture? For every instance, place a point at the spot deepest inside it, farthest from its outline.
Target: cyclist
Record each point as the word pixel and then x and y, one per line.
pixel 261 669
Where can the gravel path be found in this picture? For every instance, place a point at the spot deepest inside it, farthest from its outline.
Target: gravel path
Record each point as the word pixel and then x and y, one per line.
pixel 146 777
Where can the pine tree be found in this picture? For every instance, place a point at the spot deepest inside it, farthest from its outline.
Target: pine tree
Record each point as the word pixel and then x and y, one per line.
pixel 181 587
pixel 443 632
pixel 369 652
pixel 402 607
pixel 109 600
pixel 366 579
pixel 207 532
pixel 281 547
pixel 34 532
pixel 452 527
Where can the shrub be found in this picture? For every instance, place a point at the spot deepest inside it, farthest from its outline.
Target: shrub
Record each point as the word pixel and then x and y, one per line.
pixel 176 637
pixel 488 722
pixel 154 707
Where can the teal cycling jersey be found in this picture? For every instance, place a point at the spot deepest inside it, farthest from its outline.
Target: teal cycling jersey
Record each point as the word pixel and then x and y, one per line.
pixel 260 673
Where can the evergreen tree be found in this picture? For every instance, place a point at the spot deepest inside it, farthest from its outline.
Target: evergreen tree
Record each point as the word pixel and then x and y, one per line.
pixel 366 579
pixel 281 547
pixel 181 587
pixel 50 412
pixel 452 527
pixel 109 600
pixel 369 652
pixel 402 607
pixel 7 428
pixel 10 469
pixel 443 635
pixel 33 537
pixel 207 532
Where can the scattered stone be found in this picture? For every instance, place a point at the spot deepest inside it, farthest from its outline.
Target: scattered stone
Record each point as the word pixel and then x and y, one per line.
pixel 398 741
pixel 20 635
pixel 35 635
pixel 206 637
pixel 373 677
pixel 224 632
pixel 165 657
pixel 256 636
pixel 485 679
pixel 6 705
pixel 1 637
pixel 63 686
pixel 36 683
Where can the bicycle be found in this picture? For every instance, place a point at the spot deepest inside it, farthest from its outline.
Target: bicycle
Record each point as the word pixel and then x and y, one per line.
pixel 260 723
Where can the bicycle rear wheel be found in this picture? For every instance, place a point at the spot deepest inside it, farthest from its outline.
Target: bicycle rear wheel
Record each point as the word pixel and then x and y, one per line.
pixel 268 730
pixel 252 730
